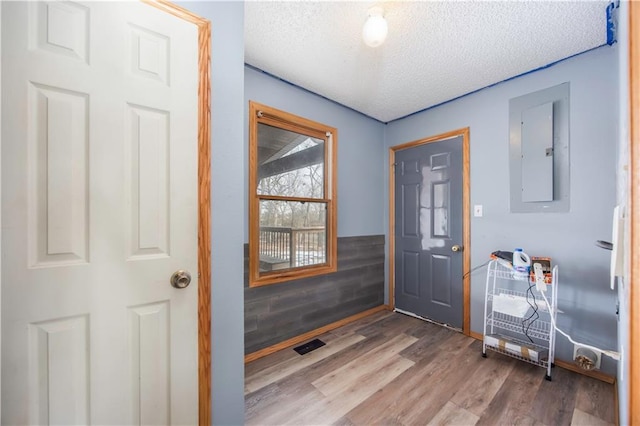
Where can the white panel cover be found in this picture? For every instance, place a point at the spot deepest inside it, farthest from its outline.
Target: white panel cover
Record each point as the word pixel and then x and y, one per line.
pixel 150 54
pixel 61 27
pixel 148 141
pixel 537 153
pixel 59 362
pixel 58 172
pixel 149 354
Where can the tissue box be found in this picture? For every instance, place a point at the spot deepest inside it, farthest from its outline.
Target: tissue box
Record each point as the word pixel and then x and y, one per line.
pixel 525 350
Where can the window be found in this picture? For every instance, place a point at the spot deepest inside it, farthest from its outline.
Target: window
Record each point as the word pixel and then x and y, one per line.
pixel 292 197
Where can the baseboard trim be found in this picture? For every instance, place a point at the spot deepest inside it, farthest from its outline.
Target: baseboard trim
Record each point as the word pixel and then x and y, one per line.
pixel 594 374
pixel 477 336
pixel 569 366
pixel 311 334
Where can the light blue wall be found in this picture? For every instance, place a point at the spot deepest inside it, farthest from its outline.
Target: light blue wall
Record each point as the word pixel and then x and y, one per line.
pixel 227 186
pixel 568 238
pixel 360 150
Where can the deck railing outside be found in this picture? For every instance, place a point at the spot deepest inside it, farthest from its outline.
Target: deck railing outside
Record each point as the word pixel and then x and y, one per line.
pixel 282 247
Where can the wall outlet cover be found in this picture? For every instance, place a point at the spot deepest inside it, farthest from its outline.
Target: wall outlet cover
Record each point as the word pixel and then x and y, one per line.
pixel 583 351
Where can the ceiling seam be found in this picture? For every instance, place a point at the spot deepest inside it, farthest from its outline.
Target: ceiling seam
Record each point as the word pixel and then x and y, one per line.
pixel 499 82
pixel 254 68
pixel 543 67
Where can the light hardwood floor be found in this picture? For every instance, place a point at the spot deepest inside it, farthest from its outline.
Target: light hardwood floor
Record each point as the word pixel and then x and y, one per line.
pixel 393 369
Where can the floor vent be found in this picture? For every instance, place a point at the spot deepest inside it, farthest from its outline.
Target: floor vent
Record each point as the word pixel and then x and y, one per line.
pixel 309 346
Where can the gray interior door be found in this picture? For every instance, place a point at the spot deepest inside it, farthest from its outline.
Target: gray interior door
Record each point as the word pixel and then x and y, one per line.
pixel 428 230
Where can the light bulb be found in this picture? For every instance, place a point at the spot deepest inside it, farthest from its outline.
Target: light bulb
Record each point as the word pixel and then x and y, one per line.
pixel 375 28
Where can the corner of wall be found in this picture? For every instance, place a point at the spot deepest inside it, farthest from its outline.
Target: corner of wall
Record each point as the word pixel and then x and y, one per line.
pixel 227 177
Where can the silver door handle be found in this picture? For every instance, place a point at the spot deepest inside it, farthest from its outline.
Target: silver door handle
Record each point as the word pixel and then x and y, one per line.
pixel 456 248
pixel 180 279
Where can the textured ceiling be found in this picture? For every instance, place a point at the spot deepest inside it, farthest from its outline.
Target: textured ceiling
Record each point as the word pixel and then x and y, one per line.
pixel 435 50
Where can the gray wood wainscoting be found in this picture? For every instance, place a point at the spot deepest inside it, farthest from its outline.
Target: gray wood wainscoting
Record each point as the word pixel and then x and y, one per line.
pixel 277 312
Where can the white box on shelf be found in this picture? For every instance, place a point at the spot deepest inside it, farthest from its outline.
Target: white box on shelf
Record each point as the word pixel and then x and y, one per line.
pixel 524 350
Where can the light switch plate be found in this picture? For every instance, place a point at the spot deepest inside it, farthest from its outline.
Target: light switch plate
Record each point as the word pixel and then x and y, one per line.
pixel 477 210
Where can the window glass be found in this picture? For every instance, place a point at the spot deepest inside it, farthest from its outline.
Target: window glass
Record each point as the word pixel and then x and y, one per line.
pixel 289 164
pixel 292 234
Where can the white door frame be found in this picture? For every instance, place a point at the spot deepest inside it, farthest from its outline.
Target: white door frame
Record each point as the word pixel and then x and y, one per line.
pixel 466 222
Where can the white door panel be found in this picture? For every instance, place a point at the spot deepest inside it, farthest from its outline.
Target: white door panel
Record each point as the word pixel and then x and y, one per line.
pixel 99 199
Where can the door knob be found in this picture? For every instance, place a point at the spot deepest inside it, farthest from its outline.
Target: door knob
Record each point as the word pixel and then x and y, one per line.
pixel 456 248
pixel 181 279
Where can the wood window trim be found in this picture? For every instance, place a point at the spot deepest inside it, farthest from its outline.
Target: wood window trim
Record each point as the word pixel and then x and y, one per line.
pixel 287 121
pixel 204 202
pixel 466 222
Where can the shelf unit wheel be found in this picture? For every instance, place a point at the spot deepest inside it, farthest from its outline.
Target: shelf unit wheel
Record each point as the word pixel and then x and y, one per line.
pixel 484 355
pixel 547 377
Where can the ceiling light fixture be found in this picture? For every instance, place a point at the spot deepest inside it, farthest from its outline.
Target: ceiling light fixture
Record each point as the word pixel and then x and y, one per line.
pixel 375 29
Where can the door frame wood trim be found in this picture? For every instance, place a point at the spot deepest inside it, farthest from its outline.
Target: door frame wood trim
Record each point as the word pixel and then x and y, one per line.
pixel 634 215
pixel 466 219
pixel 204 202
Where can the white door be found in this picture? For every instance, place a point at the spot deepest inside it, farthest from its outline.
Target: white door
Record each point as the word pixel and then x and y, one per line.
pixel 99 208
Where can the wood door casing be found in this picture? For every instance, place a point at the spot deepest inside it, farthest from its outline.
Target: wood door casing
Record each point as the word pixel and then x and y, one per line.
pixel 466 239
